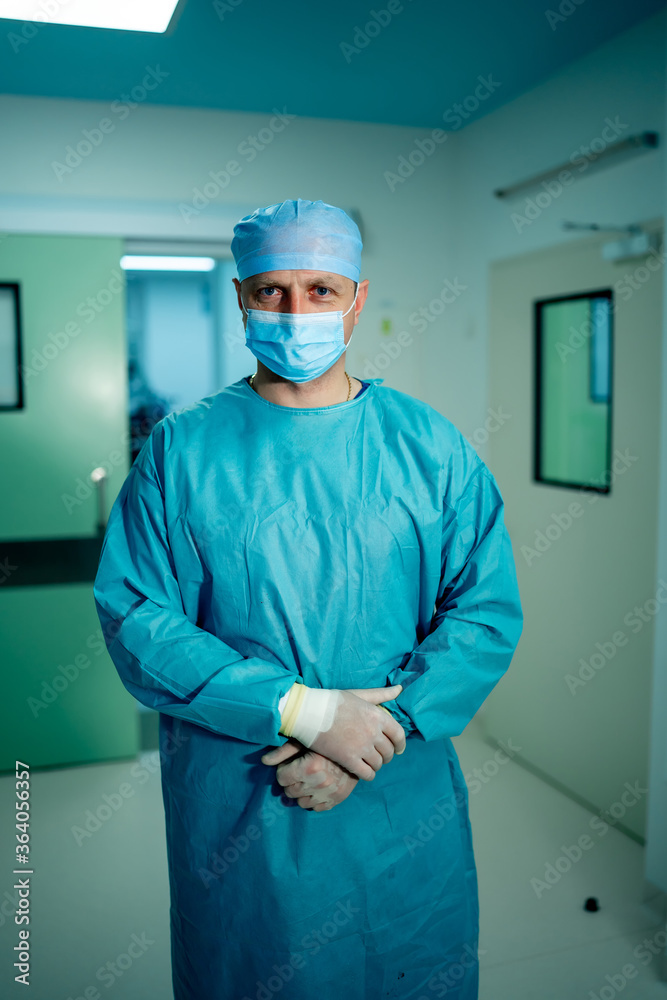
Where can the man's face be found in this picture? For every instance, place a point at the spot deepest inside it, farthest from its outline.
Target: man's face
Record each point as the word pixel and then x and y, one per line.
pixel 303 292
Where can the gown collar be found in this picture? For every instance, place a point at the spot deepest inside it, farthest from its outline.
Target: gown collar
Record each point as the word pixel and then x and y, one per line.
pixel 358 400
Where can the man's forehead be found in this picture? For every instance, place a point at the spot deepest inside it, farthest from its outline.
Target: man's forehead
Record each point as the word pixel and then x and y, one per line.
pixel 299 277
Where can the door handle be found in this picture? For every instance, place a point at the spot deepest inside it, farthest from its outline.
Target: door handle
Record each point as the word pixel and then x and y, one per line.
pixel 98 477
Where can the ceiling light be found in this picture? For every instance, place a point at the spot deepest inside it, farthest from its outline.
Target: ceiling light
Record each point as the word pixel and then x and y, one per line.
pixel 124 14
pixel 130 262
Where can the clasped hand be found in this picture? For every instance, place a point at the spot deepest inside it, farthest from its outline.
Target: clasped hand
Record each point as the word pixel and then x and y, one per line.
pixel 316 782
pixel 361 739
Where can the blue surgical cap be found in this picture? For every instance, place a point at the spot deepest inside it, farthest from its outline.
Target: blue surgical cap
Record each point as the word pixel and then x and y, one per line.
pixel 297 235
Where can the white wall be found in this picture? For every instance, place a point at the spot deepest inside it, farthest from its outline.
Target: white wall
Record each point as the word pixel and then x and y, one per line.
pixel 538 131
pixel 656 834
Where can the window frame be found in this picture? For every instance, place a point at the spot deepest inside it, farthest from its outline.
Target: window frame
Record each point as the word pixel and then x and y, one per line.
pixel 20 397
pixel 538 308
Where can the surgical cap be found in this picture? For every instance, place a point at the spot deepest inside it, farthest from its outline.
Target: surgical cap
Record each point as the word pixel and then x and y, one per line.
pixel 297 235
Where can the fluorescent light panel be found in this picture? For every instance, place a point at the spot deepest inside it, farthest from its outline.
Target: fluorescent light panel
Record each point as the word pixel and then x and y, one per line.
pixel 130 262
pixel 124 14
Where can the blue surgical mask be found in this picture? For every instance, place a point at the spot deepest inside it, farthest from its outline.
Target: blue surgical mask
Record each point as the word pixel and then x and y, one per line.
pixel 297 346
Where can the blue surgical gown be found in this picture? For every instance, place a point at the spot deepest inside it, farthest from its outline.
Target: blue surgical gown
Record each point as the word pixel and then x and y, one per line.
pixel 350 546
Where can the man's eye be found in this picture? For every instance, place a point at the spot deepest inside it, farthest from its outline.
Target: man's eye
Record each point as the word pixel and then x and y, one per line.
pixel 269 291
pixel 322 288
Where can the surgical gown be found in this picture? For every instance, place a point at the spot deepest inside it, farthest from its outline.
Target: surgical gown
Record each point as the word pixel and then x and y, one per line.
pixel 349 546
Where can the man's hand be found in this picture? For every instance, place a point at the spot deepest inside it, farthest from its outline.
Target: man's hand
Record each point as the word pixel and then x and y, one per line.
pixel 349 727
pixel 314 781
pixel 362 737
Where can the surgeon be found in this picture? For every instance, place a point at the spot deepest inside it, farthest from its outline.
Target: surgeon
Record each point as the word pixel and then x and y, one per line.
pixel 309 576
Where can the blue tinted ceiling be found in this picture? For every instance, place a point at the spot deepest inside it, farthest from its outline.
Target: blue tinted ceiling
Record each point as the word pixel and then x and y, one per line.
pixel 403 62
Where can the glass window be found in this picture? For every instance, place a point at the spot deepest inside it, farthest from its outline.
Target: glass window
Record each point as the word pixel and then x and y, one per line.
pixel 11 384
pixel 573 398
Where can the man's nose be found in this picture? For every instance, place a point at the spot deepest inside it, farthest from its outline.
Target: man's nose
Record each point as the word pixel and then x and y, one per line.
pixel 295 301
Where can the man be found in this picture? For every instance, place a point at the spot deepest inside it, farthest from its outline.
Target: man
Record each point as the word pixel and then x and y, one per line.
pixel 306 555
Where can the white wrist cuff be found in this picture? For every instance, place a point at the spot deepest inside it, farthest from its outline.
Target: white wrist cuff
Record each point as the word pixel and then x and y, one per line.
pixel 316 714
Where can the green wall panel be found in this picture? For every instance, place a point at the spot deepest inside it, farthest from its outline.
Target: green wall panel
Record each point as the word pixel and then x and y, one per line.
pixel 75 383
pixel 63 701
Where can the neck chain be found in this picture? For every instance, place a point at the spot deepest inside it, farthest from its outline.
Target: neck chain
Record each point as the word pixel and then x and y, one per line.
pixel 349 385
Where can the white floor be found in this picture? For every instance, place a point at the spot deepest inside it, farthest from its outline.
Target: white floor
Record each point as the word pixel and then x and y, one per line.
pixel 94 896
pixel 548 947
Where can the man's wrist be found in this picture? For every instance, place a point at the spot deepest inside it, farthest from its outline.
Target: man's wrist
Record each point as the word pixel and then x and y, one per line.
pixel 308 712
pixel 289 708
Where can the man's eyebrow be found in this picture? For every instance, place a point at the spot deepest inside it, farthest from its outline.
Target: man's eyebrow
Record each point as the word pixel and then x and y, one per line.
pixel 254 280
pixel 325 279
pixel 331 279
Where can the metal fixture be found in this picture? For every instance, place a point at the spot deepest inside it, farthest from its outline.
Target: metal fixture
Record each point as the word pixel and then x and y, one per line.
pixel 631 146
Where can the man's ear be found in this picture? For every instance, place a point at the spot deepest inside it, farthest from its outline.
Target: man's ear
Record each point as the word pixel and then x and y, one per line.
pixel 237 285
pixel 362 294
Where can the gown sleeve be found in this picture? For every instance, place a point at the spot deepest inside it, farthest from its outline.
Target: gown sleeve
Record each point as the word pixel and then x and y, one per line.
pixel 477 622
pixel 163 658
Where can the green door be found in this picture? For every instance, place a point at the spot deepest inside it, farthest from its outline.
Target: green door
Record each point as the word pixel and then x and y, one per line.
pixel 63 702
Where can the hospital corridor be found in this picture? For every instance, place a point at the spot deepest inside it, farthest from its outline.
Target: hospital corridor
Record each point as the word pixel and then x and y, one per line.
pixel 333 520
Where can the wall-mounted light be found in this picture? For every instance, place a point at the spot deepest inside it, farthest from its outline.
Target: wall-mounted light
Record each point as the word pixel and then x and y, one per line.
pixel 615 152
pixel 636 242
pixel 131 262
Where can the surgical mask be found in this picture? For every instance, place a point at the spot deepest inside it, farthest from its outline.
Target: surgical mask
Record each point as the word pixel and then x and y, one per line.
pixel 297 346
